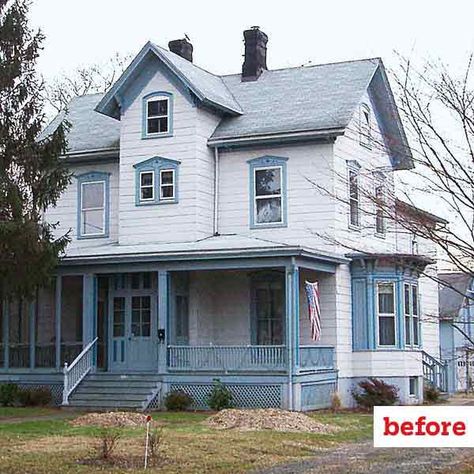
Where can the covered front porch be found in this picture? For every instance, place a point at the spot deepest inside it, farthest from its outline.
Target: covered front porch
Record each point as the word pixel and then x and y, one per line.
pixel 243 320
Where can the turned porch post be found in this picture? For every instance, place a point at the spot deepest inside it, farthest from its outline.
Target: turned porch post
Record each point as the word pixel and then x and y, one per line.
pixel 89 311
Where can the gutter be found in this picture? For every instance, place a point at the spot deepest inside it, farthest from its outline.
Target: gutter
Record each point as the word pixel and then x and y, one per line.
pixel 272 137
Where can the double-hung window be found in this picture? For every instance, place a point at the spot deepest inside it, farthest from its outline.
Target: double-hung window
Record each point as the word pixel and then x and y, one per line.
pixel 156 181
pixel 147 186
pixel 268 192
pixel 386 314
pixel 354 195
pixel 379 209
pixel 157 114
pixel 167 184
pixel 93 205
pixel 412 318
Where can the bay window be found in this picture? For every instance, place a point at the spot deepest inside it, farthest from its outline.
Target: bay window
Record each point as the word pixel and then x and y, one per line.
pixel 411 310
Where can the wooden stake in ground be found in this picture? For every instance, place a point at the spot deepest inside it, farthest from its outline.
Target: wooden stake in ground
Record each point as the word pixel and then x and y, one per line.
pixel 148 420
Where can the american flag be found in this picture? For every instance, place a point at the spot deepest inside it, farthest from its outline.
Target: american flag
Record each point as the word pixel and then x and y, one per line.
pixel 314 307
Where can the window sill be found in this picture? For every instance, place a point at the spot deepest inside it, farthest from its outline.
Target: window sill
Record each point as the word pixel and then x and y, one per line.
pixel 380 236
pixel 354 227
pixel 156 203
pixel 89 237
pixel 366 146
pixel 268 226
pixel 156 135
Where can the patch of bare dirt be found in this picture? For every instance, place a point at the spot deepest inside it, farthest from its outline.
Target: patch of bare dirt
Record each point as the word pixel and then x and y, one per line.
pixel 113 419
pixel 267 419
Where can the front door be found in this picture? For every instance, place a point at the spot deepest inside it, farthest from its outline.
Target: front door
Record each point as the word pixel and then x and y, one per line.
pixel 133 345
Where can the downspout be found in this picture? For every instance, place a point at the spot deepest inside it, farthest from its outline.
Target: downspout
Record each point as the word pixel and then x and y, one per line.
pixel 216 191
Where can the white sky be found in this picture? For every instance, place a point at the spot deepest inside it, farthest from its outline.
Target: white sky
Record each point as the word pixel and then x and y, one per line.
pixel 80 32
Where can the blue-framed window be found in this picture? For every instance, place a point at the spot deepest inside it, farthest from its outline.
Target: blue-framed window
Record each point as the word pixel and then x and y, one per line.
pixel 157 115
pixel 93 205
pixel 386 306
pixel 156 181
pixel 268 192
pixel 411 309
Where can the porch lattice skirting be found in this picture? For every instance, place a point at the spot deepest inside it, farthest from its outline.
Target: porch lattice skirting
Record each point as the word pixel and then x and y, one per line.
pixel 244 395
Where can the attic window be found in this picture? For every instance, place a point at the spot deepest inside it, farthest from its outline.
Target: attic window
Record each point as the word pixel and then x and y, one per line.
pixel 157 111
pixel 365 130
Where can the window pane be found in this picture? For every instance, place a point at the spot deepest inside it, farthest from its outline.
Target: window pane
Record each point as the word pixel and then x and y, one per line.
pixel 414 294
pixel 93 222
pixel 386 298
pixel 162 125
pixel 268 210
pixel 146 193
pixel 407 330
pixel 167 177
pixel 153 126
pixel 157 107
pixel 92 195
pixel 167 192
pixel 119 317
pixel 386 331
pixel 353 185
pixel 146 280
pixel 146 179
pixel 268 182
pixel 354 208
pixel 416 331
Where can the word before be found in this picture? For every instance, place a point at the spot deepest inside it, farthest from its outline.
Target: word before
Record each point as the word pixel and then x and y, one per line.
pixel 418 426
pixel 422 428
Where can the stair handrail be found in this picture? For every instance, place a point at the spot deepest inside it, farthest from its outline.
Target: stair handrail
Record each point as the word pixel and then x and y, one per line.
pixel 438 370
pixel 79 368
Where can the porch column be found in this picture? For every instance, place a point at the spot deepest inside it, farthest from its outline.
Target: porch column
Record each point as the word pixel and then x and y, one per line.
pixel 163 326
pixel 89 310
pixel 32 327
pixel 6 333
pixel 57 321
pixel 292 326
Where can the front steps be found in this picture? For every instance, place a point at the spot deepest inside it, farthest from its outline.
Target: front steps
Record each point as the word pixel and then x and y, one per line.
pixel 108 391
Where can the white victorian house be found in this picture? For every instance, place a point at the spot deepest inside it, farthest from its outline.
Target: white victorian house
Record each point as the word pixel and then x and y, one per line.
pixel 196 213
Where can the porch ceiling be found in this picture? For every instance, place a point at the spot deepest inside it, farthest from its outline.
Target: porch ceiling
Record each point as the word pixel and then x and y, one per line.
pixel 229 251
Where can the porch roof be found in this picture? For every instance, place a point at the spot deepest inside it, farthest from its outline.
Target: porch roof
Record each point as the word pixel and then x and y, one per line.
pixel 223 247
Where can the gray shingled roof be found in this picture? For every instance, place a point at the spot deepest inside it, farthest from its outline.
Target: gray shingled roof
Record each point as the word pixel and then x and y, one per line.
pixel 89 129
pixel 451 295
pixel 312 98
pixel 297 99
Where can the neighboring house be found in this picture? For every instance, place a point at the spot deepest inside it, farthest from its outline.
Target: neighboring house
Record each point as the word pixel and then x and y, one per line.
pixel 456 312
pixel 199 207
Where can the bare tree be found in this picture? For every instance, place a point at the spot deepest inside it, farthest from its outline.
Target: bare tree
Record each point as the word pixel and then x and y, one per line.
pixel 90 79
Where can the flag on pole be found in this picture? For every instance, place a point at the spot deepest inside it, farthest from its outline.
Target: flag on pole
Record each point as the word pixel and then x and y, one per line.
pixel 314 309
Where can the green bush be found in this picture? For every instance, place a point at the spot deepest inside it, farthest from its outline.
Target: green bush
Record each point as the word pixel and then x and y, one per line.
pixel 375 392
pixel 34 397
pixel 177 400
pixel 431 394
pixel 9 394
pixel 220 397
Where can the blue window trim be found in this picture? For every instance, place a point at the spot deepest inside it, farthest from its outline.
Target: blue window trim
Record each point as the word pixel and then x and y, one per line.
pixel 93 176
pixel 155 165
pixel 372 277
pixel 145 100
pixel 268 161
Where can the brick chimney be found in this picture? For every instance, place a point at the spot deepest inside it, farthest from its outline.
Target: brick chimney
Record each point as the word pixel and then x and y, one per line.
pixel 255 54
pixel 183 48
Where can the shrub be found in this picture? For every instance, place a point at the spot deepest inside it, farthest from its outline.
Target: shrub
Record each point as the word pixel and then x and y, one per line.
pixel 335 402
pixel 431 394
pixel 155 440
pixel 177 400
pixel 220 397
pixel 375 392
pixel 34 397
pixel 108 441
pixel 9 394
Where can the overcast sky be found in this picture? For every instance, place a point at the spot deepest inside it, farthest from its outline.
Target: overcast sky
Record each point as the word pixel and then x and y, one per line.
pixel 80 32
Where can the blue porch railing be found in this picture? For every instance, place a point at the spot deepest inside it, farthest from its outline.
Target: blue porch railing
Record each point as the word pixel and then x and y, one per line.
pixel 316 358
pixel 435 372
pixel 227 358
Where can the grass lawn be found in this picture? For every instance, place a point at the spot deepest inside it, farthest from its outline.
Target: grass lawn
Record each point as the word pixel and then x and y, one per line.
pixel 53 445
